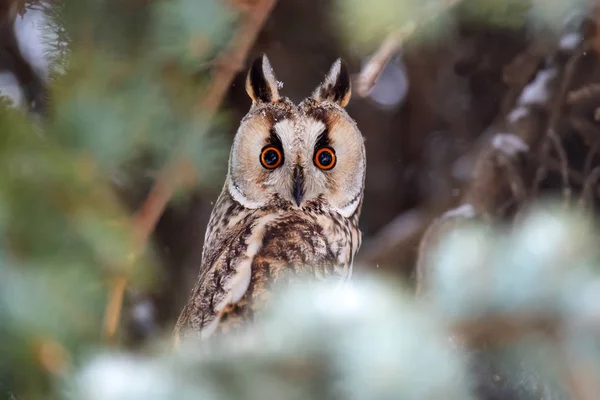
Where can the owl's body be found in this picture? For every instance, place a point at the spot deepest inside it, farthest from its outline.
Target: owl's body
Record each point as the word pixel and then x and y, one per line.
pixel 289 207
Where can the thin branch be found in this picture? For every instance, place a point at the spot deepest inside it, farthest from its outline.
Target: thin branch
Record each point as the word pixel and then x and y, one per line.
pixel 501 329
pixel 113 308
pixel 587 166
pixel 397 233
pixel 588 192
pixel 588 130
pixel 555 113
pixel 564 165
pixel 515 181
pixel 230 62
pixel 391 44
pixel 583 94
pixel 369 74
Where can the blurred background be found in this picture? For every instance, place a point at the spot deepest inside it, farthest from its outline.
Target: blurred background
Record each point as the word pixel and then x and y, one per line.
pixel 118 117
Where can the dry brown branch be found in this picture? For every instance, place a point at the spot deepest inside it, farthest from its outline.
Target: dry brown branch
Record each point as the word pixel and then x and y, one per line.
pixel 564 165
pixel 516 183
pixel 230 62
pixel 588 130
pixel 574 175
pixel 587 193
pixel 589 159
pixel 555 113
pixel 501 330
pixel 391 44
pixel 583 94
pixel 369 74
pixel 402 229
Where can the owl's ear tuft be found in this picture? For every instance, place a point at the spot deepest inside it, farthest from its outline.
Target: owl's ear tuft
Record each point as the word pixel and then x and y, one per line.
pixel 336 87
pixel 261 84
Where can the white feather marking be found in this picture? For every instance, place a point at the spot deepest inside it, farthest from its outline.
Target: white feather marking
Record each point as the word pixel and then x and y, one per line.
pixel 240 198
pixel 349 208
pixel 238 284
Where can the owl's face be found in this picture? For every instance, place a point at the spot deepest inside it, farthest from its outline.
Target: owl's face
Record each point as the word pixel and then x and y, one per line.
pixel 298 154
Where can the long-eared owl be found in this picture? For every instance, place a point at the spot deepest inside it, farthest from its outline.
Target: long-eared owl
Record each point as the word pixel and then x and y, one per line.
pixel 290 204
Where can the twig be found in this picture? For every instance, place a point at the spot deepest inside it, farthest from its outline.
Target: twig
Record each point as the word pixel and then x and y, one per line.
pixel 501 329
pixel 230 62
pixel 391 44
pixel 401 230
pixel 574 175
pixel 587 194
pixel 114 305
pixel 587 166
pixel 515 181
pixel 564 165
pixel 584 93
pixel 555 114
pixel 232 59
pixel 369 74
pixel 504 208
pixel 588 130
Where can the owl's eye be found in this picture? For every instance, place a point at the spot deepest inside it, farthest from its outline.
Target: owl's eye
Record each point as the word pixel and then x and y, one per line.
pixel 325 158
pixel 271 157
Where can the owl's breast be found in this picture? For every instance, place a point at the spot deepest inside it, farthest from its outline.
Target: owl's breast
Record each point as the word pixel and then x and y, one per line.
pixel 304 244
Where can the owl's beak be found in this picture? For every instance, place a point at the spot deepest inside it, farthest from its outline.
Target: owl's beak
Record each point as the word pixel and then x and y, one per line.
pixel 298 185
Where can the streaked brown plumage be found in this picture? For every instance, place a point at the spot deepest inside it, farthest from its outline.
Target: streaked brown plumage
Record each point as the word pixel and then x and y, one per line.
pixel 289 207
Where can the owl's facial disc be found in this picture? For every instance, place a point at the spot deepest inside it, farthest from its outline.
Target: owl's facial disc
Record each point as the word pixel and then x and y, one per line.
pixel 301 154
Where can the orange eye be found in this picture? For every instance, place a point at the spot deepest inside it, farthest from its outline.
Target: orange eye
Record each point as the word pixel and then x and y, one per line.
pixel 325 158
pixel 271 157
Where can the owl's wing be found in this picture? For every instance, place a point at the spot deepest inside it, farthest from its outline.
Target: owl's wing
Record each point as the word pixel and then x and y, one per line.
pixel 225 277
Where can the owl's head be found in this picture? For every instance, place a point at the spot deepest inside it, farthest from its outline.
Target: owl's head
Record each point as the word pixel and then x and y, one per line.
pixel 298 155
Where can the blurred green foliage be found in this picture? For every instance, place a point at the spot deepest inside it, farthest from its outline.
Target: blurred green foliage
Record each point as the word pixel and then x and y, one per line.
pixel 115 100
pixel 365 24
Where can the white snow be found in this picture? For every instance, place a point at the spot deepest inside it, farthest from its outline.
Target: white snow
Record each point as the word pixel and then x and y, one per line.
pixel 569 41
pixel 537 91
pixel 517 113
pixel 509 144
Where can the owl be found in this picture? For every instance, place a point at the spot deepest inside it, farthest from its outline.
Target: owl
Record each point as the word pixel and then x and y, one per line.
pixel 290 205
